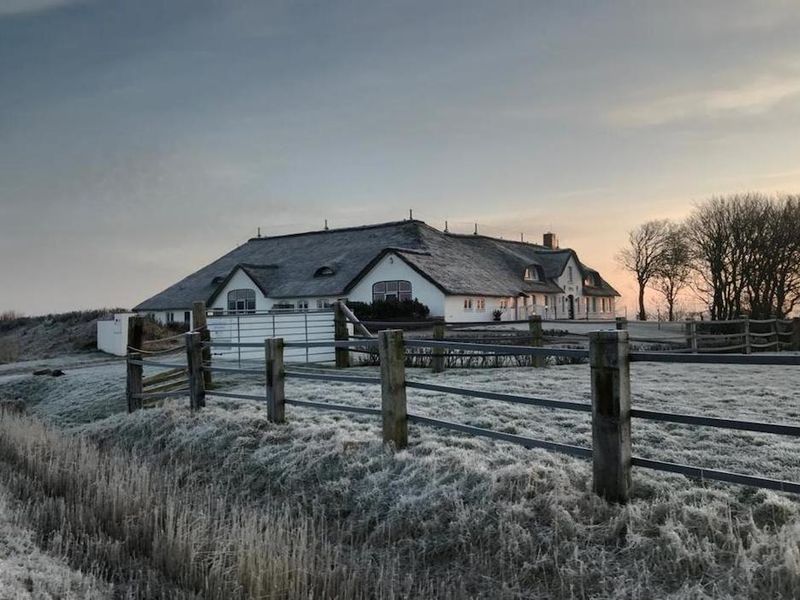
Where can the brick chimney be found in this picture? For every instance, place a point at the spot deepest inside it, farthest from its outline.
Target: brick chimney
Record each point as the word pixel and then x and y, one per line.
pixel 550 240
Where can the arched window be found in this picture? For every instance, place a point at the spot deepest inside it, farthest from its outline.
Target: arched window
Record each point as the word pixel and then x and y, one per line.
pixel 391 290
pixel 242 301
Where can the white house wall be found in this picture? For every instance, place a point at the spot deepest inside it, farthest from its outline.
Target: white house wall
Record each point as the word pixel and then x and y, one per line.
pixel 241 281
pixel 511 308
pixel 575 288
pixel 455 312
pixel 391 268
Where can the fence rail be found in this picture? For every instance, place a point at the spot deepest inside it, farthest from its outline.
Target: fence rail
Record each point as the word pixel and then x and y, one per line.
pixel 743 335
pixel 610 410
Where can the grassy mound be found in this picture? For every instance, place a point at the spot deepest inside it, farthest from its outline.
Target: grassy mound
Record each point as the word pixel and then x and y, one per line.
pixel 55 335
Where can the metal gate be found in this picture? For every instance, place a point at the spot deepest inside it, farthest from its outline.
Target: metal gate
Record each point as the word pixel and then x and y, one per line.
pixel 255 327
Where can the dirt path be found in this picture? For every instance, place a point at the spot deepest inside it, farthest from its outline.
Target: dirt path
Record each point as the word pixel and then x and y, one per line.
pixel 27 572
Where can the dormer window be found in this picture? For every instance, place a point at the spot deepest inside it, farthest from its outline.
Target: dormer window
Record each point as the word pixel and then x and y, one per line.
pixel 323 272
pixel 589 280
pixel 531 274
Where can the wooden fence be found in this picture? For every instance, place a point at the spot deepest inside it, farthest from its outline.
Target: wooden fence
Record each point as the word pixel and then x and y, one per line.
pixel 743 335
pixel 609 355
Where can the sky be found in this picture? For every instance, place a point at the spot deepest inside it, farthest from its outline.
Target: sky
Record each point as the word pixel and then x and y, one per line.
pixel 141 140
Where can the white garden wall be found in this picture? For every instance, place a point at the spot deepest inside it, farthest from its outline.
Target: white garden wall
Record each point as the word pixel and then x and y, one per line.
pixel 112 335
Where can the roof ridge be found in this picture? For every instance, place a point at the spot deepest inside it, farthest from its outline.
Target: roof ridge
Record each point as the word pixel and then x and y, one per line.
pixel 256 266
pixel 496 239
pixel 351 228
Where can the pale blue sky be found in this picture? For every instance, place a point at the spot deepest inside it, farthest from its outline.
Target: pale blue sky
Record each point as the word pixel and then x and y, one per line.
pixel 141 139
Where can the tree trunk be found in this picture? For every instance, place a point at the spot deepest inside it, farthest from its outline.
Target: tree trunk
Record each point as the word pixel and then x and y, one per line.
pixel 642 313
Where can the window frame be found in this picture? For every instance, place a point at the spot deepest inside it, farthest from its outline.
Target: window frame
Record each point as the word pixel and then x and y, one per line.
pixel 241 301
pixel 398 290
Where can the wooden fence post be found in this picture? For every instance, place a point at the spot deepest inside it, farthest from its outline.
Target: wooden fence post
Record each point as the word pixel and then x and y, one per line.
pixel 276 401
pixel 776 331
pixel 340 334
pixel 135 333
pixel 535 327
pixel 200 324
pixel 692 326
pixel 393 387
pixel 133 386
pixel 437 355
pixel 796 334
pixel 611 414
pixel 194 362
pixel 622 324
pixel 746 333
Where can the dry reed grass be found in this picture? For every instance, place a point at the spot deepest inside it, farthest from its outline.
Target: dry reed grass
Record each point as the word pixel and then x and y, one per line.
pixel 156 533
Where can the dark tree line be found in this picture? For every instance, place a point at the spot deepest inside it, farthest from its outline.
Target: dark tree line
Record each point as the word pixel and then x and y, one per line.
pixel 740 254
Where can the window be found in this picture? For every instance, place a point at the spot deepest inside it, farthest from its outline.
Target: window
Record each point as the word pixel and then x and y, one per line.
pixel 603 304
pixel 242 301
pixel 302 305
pixel 170 317
pixel 594 304
pixel 323 303
pixel 391 290
pixel 531 274
pixel 481 303
pixel 467 303
pixel 503 303
pixel 323 272
pixel 218 311
pixel 547 300
pixel 187 317
pixel 283 306
pixel 569 274
pixel 533 300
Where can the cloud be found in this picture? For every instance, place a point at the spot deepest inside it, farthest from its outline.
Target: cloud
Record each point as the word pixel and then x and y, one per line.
pixel 750 99
pixel 21 7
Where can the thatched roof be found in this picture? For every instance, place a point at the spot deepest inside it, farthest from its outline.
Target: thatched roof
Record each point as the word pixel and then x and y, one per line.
pixel 329 263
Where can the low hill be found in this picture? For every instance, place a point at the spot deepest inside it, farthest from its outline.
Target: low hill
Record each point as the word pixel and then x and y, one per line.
pixel 31 338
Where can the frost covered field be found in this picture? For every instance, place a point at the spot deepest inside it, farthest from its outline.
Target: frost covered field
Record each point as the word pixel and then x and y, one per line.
pixel 27 572
pixel 457 516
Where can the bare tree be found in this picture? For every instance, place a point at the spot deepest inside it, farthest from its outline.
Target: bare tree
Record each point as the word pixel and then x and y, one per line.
pixel 644 255
pixel 786 271
pixel 674 269
pixel 747 254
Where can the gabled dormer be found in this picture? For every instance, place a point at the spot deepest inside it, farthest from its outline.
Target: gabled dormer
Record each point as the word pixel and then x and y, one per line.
pixel 533 273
